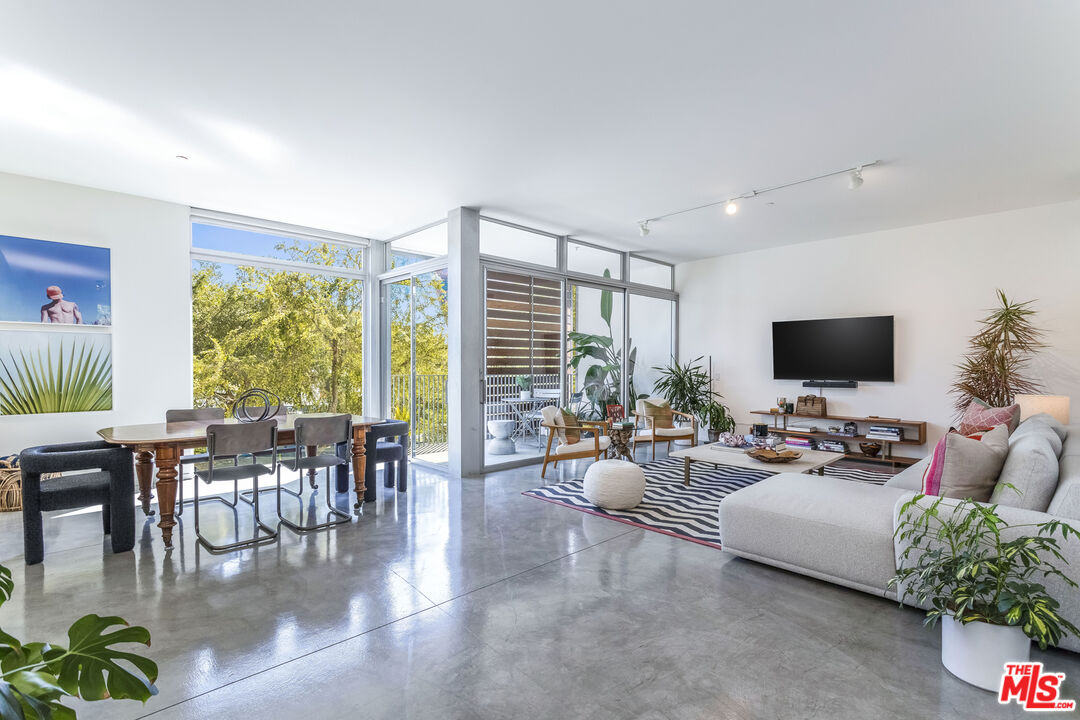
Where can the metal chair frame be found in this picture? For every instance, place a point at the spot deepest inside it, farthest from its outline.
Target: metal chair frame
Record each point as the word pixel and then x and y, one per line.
pixel 300 426
pixel 270 534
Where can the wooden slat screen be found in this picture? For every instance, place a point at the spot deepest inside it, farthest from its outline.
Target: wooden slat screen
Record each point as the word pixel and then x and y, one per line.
pixel 524 325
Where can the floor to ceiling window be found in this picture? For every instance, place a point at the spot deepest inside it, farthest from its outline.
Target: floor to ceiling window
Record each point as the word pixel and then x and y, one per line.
pixel 278 311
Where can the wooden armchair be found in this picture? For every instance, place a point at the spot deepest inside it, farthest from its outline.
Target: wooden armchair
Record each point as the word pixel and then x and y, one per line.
pixel 653 428
pixel 566 450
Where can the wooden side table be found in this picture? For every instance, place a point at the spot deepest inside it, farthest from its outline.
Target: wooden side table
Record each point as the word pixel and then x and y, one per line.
pixel 620 441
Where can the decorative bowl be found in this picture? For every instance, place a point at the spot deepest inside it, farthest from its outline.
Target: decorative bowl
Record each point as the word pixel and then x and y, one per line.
pixel 870 449
pixel 771 456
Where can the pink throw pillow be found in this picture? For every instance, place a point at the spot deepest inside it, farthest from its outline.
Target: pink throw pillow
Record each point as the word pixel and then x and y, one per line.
pixel 980 417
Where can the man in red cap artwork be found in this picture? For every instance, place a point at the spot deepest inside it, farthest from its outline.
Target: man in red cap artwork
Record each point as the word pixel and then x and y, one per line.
pixel 59 310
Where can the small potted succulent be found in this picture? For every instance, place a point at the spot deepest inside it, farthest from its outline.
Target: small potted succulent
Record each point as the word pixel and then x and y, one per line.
pixel 524 383
pixel 980 575
pixel 716 417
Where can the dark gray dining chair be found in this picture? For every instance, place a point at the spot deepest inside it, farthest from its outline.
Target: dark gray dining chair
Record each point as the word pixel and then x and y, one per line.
pixel 312 432
pixel 112 487
pixel 387 442
pixel 206 415
pixel 228 441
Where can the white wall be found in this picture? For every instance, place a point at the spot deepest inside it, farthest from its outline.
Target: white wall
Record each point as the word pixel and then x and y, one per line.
pixel 151 301
pixel 937 279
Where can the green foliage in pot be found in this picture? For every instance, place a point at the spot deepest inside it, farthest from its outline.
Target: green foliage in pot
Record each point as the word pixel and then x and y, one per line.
pixel 687 387
pixel 994 369
pixel 524 382
pixel 717 417
pixel 958 562
pixel 601 358
pixel 36 677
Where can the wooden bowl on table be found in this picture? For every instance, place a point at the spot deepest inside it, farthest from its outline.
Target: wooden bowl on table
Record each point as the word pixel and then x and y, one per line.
pixel 771 456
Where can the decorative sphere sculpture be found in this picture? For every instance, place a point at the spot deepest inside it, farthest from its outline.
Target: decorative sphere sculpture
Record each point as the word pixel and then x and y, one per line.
pixel 254 413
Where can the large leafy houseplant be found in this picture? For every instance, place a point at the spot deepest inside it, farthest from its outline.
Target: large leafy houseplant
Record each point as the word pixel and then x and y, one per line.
pixel 687 387
pixel 602 359
pixel 958 562
pixel 994 368
pixel 717 418
pixel 35 677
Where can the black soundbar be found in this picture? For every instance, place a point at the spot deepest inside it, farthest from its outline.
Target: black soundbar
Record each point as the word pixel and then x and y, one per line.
pixel 830 383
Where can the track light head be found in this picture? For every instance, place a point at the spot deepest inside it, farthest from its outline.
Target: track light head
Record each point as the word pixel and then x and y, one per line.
pixel 731 208
pixel 643 228
pixel 855 180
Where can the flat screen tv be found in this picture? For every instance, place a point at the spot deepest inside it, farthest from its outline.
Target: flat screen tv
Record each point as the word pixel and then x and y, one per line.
pixel 838 349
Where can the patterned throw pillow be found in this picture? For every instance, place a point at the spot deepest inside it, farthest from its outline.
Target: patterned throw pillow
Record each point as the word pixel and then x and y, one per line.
pixel 980 417
pixel 572 428
pixel 967 467
pixel 660 412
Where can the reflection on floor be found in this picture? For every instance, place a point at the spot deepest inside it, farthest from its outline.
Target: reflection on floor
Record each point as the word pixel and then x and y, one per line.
pixel 464 599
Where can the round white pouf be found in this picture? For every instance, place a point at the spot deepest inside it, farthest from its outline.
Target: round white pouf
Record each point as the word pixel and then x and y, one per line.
pixel 614 484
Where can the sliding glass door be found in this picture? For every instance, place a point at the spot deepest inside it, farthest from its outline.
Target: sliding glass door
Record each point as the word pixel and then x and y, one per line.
pixel 523 363
pixel 417 347
pixel 595 369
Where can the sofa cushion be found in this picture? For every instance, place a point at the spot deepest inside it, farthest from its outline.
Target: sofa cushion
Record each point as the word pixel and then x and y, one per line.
pixel 1066 500
pixel 1044 423
pixel 1031 468
pixel 980 417
pixel 967 467
pixel 910 478
pixel 828 528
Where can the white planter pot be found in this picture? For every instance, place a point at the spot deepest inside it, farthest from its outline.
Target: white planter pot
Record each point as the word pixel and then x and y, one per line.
pixel 977 652
pixel 525 394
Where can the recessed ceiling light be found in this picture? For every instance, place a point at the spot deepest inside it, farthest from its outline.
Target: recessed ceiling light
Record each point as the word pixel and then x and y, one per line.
pixel 181 157
pixel 731 208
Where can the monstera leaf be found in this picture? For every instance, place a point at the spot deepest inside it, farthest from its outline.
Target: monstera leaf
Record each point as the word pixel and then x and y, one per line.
pixel 6 585
pixel 36 677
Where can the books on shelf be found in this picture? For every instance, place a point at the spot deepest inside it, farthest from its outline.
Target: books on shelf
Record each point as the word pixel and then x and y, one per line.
pixel 837 446
pixel 794 441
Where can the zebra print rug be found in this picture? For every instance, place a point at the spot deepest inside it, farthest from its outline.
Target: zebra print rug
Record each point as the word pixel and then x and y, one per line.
pixel 670 507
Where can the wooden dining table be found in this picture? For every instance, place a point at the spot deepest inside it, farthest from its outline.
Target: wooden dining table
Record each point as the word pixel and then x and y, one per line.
pixel 161 444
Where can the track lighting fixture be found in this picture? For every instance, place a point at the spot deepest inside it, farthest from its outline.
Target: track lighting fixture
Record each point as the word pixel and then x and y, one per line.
pixel 855 180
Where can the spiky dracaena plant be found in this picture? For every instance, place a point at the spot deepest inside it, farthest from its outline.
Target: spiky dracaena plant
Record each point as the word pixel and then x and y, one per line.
pixel 78 379
pixel 994 369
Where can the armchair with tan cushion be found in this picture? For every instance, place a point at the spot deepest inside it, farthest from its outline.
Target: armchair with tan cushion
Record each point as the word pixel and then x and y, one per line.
pixel 571 445
pixel 654 421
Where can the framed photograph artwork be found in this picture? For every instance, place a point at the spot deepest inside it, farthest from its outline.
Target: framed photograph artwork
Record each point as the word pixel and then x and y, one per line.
pixel 54 283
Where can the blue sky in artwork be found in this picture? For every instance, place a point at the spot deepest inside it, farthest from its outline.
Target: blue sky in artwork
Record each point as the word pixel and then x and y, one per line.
pixel 28 267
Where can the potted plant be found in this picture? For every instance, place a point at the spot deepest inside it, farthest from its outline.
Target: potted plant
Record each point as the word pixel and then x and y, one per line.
pixel 716 417
pixel 524 383
pixel 688 388
pixel 984 588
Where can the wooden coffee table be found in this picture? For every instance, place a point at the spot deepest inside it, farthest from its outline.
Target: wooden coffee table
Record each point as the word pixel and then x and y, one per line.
pixel 718 454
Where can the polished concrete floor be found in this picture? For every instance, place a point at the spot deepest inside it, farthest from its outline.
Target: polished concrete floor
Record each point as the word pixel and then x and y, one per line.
pixel 464 599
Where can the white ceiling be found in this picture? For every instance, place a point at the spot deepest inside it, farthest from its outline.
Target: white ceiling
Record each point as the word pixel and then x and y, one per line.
pixel 582 117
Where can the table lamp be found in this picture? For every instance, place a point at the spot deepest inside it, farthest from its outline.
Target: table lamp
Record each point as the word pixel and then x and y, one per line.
pixel 1056 406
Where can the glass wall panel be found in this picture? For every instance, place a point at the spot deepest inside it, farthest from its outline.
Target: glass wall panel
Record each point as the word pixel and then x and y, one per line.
pixel 516 244
pixel 523 362
pixel 652 342
pixel 593 261
pixel 297 334
pixel 594 349
pixel 647 272
pixel 423 245
pixel 260 244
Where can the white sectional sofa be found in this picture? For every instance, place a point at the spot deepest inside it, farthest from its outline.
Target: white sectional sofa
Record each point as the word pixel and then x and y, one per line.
pixel 842 531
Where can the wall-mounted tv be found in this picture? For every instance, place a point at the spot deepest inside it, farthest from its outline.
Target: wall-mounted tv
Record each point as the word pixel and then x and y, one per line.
pixel 837 349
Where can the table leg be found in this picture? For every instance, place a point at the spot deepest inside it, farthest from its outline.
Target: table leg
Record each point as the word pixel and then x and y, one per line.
pixel 359 465
pixel 686 472
pixel 144 471
pixel 166 458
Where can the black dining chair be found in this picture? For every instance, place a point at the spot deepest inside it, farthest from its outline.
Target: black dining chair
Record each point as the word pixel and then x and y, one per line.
pixel 313 432
pixel 112 486
pixel 206 415
pixel 229 441
pixel 387 442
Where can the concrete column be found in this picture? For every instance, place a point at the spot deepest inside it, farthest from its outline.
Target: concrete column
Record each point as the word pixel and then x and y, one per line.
pixel 376 369
pixel 465 306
